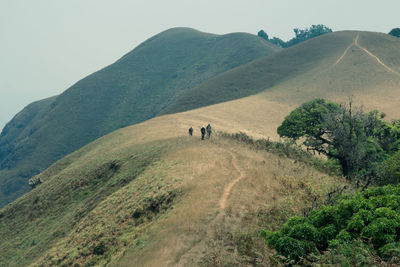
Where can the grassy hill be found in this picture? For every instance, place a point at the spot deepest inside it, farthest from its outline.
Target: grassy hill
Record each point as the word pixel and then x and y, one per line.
pixel 133 89
pixel 264 73
pixel 125 198
pixel 148 194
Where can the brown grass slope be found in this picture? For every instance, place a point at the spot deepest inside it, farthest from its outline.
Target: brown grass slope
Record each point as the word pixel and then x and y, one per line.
pixel 368 68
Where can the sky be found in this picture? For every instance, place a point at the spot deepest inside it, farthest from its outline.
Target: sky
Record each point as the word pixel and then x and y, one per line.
pixel 48 45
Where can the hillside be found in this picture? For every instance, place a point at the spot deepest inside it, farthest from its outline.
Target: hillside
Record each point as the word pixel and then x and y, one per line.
pixel 133 89
pixel 364 65
pixel 125 198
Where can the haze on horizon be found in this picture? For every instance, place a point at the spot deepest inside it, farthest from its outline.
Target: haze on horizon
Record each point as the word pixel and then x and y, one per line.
pixel 46 46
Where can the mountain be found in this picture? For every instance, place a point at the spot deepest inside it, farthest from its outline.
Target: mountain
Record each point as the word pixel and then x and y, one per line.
pixel 135 88
pixel 335 66
pixel 149 195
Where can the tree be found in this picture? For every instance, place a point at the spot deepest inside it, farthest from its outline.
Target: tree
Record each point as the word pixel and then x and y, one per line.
pixel 263 35
pixel 395 32
pixel 300 35
pixel 277 41
pixel 339 132
pixel 308 33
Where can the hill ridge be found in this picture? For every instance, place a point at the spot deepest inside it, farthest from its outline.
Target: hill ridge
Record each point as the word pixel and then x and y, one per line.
pixel 133 89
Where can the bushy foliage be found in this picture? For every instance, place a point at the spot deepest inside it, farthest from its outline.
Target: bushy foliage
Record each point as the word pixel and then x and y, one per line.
pixel 389 170
pixel 307 33
pixel 360 142
pixel 65 201
pixel 300 35
pixel 35 181
pixel 263 35
pixel 367 224
pixel 395 32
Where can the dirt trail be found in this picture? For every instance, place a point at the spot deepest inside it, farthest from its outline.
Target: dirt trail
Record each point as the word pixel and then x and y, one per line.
pixel 189 255
pixel 375 57
pixel 356 43
pixel 347 49
pixel 228 188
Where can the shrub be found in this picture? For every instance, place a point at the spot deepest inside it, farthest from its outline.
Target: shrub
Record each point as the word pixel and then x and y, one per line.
pixel 395 32
pixel 367 223
pixel 99 249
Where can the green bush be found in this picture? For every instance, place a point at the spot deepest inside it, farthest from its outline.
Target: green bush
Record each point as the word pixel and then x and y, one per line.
pixel 361 228
pixel 389 170
pixel 395 32
pixel 99 249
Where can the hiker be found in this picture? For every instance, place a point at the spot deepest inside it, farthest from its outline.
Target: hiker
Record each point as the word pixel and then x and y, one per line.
pixel 208 131
pixel 203 132
pixel 190 131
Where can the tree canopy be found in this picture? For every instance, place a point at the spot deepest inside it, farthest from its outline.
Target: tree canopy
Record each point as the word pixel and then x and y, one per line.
pixel 360 142
pixel 395 32
pixel 365 226
pixel 263 35
pixel 300 35
pixel 362 226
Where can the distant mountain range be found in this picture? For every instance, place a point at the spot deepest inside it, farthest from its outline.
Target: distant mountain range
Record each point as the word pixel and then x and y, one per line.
pixel 137 87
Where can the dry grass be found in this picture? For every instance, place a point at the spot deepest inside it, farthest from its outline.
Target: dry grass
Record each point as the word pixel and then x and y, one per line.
pixel 198 231
pixel 190 230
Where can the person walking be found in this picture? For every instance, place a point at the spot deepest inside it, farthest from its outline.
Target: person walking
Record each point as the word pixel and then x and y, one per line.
pixel 203 132
pixel 208 131
pixel 190 131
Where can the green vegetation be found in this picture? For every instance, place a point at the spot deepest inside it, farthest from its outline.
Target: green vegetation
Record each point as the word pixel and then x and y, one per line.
pixel 360 142
pixel 301 35
pixel 389 170
pixel 395 32
pixel 62 211
pixel 136 88
pixel 361 230
pixel 263 35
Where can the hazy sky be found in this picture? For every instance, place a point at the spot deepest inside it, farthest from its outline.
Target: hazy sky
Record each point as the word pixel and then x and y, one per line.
pixel 48 45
